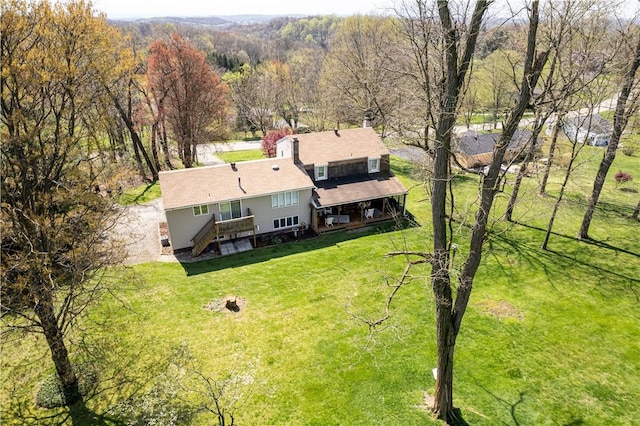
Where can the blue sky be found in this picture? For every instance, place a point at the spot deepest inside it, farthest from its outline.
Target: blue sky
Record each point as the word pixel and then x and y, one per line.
pixel 117 9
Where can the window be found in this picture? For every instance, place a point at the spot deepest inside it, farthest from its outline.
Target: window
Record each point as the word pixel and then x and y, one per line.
pixel 374 165
pixel 201 210
pixel 230 210
pixel 285 222
pixel 283 199
pixel 321 172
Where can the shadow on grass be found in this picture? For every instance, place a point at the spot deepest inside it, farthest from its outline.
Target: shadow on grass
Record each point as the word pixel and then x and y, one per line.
pixel 265 254
pixel 511 406
pixel 553 261
pixel 459 420
pixel 604 208
pixel 141 195
pixel 80 414
pixel 587 241
pixel 120 385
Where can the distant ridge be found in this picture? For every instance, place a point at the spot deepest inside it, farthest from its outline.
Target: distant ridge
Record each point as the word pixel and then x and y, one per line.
pixel 209 21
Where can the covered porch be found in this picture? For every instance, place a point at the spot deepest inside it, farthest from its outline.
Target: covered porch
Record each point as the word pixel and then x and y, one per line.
pixel 356 202
pixel 356 215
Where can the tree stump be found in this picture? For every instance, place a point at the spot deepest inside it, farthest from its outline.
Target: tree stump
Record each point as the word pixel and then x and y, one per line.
pixel 232 305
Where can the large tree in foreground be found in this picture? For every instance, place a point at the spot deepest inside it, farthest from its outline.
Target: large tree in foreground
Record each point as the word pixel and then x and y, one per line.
pixel 458 30
pixel 195 99
pixel 54 218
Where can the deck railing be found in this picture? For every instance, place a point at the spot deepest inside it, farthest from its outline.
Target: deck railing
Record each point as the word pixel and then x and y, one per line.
pixel 213 229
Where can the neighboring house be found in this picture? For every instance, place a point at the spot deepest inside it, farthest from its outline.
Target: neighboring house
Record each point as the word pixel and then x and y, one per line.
pixel 588 129
pixel 475 150
pixel 351 172
pixel 328 180
pixel 232 201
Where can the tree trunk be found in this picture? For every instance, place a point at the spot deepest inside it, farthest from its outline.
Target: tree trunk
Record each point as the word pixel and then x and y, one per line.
pixel 443 405
pixel 59 354
pixel 620 120
pixel 186 154
pixel 154 146
pixel 164 144
pixel 636 212
pixel 598 184
pixel 135 139
pixel 547 235
pixel 457 67
pixel 531 149
pixel 552 149
pixel 136 155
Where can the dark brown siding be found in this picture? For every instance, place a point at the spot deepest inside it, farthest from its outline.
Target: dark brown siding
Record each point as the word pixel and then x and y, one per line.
pixel 385 163
pixel 357 166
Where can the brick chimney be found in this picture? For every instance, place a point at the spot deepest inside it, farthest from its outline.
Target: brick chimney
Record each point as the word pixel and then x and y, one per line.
pixel 295 148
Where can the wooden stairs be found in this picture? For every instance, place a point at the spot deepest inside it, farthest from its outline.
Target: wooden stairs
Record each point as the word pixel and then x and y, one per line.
pixel 204 236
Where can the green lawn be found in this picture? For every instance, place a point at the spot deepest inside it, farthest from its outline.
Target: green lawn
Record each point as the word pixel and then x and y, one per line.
pixel 140 194
pixel 549 337
pixel 238 156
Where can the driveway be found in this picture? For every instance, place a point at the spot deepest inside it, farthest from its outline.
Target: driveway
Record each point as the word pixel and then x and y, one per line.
pixel 138 227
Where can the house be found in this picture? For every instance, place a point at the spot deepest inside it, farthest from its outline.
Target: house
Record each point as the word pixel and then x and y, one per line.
pixel 351 172
pixel 232 201
pixel 327 180
pixel 475 150
pixel 588 129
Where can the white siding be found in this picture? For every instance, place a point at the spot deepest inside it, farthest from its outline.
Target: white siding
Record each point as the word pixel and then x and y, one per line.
pixel 283 148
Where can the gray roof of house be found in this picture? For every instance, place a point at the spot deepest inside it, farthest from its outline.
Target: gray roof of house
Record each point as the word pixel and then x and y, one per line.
pixel 353 189
pixel 473 143
pixel 593 123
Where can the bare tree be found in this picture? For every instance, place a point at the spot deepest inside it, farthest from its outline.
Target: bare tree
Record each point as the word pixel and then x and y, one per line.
pixel 252 92
pixel 627 105
pixel 571 29
pixel 457 34
pixel 578 31
pixel 357 74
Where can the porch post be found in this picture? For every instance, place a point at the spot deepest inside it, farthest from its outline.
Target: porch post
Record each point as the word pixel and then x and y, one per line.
pixel 315 223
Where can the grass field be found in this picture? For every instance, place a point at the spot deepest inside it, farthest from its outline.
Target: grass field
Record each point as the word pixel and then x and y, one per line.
pixel 244 155
pixel 140 194
pixel 550 337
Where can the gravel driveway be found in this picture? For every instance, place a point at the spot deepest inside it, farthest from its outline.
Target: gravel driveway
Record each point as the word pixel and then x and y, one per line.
pixel 138 226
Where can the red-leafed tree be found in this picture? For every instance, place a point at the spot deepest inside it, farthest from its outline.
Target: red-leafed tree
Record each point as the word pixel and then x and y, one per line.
pixel 194 99
pixel 270 139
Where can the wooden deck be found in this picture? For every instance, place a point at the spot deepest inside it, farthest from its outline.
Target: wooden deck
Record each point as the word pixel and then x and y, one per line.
pixel 355 221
